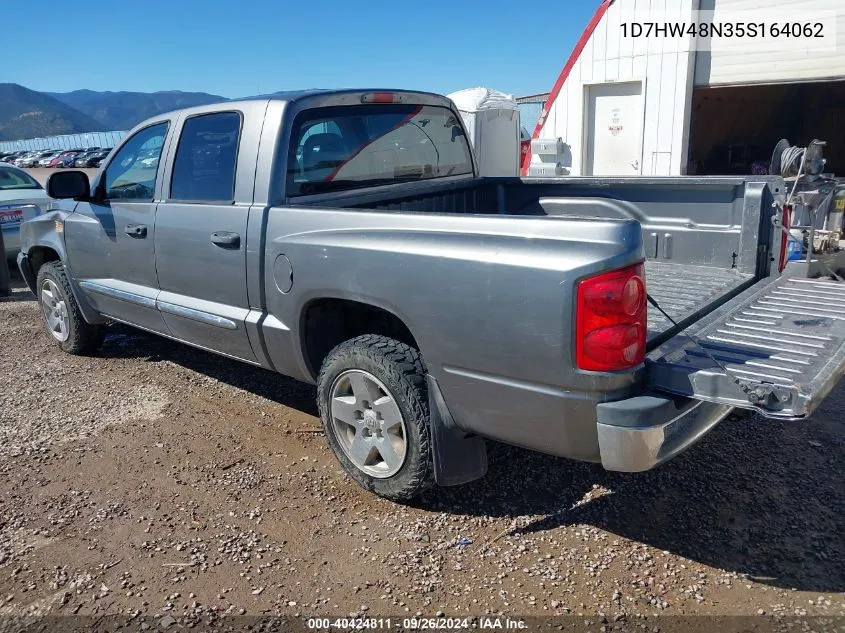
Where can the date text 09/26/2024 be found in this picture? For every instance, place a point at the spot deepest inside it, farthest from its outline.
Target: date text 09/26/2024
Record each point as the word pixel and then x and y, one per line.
pixel 417 623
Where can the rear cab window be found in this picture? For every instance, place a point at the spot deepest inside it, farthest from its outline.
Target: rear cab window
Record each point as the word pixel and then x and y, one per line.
pixel 349 147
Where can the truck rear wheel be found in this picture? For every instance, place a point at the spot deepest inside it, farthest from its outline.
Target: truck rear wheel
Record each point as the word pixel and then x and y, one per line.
pixel 62 318
pixel 373 403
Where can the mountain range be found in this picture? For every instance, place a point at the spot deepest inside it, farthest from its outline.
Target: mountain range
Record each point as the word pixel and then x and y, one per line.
pixel 123 110
pixel 26 113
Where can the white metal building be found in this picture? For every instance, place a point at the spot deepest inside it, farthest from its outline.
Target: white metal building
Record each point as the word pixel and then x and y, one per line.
pixel 671 106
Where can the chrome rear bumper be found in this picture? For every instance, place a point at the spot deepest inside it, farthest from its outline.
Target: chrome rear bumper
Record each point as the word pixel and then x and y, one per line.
pixel 639 433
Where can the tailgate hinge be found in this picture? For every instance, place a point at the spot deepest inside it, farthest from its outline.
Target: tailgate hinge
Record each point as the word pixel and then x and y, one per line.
pixel 768 395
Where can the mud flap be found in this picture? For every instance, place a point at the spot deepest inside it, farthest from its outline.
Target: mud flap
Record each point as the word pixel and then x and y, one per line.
pixel 458 458
pixel 780 347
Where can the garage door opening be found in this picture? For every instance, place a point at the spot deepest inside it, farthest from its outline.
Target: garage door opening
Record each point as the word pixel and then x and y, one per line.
pixel 735 129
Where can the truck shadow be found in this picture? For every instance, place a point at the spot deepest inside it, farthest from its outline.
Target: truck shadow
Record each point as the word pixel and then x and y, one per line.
pixel 17 286
pixel 757 497
pixel 126 342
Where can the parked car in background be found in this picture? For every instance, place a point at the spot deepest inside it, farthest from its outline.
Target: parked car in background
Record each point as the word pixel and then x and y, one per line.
pixel 93 159
pixel 36 159
pixel 47 158
pixel 27 159
pixel 66 158
pixel 21 198
pixel 81 158
pixel 12 156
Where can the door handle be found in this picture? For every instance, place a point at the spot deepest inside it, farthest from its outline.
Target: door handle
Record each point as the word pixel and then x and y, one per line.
pixel 226 239
pixel 136 230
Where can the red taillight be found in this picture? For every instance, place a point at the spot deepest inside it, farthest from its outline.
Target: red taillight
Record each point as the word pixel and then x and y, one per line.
pixel 611 320
pixel 633 295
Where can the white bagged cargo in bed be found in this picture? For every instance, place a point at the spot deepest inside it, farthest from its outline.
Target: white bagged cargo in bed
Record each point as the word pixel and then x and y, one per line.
pixel 492 122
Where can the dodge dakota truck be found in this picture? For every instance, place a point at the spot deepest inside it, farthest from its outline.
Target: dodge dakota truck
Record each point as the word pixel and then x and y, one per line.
pixel 343 238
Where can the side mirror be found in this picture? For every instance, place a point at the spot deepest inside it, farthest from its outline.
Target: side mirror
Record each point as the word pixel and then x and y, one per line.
pixel 69 184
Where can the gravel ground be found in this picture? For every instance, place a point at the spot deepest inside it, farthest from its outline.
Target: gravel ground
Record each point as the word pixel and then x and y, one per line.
pixel 158 481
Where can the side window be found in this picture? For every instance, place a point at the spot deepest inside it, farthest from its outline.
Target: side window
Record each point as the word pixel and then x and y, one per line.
pixel 204 168
pixel 131 174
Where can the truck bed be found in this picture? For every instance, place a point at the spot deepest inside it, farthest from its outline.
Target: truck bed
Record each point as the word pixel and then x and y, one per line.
pixel 684 289
pixel 702 237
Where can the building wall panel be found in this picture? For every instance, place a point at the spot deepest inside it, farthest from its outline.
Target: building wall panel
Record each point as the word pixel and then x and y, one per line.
pixel 665 67
pixel 733 62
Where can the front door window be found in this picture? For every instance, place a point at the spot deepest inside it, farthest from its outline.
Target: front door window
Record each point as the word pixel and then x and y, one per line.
pixel 131 174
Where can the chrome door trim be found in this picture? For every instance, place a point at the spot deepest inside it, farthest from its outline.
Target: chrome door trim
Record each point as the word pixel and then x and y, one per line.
pixel 130 297
pixel 196 315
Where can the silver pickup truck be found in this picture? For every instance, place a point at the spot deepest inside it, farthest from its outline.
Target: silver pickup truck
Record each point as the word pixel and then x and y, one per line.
pixel 344 239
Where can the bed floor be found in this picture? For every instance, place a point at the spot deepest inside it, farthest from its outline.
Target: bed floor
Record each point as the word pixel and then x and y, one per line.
pixel 682 289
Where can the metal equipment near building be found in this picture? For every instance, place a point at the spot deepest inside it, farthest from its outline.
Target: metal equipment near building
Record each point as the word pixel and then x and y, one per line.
pixel 815 209
pixel 640 104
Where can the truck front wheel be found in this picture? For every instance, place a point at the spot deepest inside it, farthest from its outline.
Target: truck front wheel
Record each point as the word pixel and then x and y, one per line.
pixel 62 317
pixel 373 403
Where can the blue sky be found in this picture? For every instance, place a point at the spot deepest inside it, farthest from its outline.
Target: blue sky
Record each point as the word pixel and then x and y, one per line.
pixel 258 46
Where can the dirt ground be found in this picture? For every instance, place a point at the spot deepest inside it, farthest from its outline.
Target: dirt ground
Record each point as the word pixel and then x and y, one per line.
pixel 157 480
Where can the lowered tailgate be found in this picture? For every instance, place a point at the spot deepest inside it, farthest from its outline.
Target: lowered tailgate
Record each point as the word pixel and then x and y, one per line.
pixel 779 348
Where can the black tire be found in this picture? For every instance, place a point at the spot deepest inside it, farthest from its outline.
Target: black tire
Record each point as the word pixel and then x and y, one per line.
pixel 400 368
pixel 83 337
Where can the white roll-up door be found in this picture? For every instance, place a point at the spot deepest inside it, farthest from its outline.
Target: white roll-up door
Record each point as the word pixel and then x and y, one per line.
pixel 736 61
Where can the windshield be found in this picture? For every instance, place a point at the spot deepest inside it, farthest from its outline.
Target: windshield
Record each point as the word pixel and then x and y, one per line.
pixel 358 146
pixel 13 179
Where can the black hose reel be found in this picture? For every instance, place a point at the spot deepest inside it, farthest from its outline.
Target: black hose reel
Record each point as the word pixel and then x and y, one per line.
pixel 788 160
